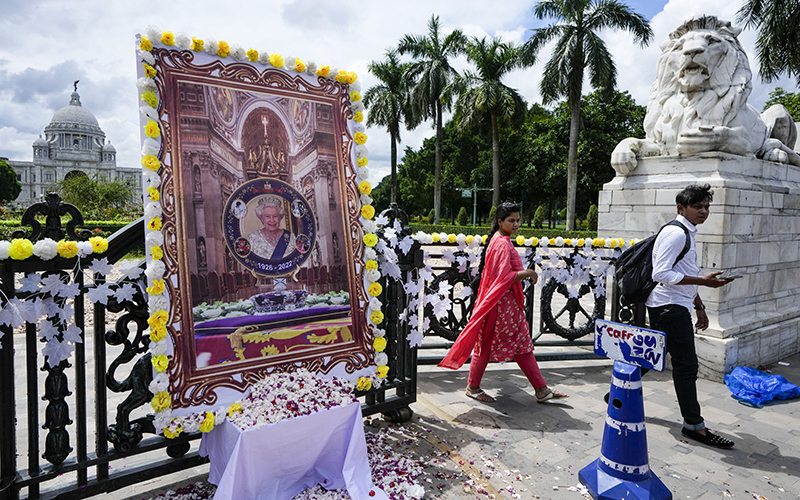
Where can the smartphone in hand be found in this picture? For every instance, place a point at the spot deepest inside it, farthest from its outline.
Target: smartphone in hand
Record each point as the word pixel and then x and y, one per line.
pixel 730 277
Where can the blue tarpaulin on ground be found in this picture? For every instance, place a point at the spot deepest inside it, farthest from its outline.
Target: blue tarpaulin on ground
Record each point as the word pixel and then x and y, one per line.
pixel 756 387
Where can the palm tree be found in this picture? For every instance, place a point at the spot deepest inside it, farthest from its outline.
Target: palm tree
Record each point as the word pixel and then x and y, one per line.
pixel 578 47
pixel 432 92
pixel 388 104
pixel 777 45
pixel 484 96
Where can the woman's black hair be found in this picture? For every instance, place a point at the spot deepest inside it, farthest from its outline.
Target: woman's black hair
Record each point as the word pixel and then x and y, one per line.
pixel 503 211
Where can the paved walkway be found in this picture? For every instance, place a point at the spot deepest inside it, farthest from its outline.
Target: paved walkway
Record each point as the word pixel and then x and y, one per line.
pixel 516 448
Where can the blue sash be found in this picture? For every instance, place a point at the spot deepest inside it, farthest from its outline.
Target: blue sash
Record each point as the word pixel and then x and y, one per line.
pixel 283 241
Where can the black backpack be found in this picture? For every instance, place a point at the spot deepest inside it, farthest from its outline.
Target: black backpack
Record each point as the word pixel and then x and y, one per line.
pixel 634 268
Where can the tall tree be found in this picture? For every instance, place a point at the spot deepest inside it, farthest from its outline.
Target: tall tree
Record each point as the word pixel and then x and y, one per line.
pixel 388 106
pixel 579 47
pixel 778 44
pixel 9 184
pixel 484 97
pixel 432 92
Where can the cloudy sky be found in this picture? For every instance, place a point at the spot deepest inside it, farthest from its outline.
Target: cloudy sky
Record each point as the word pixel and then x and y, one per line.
pixel 49 44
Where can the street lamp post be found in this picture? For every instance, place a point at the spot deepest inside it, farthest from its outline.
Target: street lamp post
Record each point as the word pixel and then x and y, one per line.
pixel 473 193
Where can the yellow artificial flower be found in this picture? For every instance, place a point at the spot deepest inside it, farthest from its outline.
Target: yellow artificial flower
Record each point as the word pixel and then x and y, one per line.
pixel 484 238
pixel 323 71
pixel 370 239
pixel 435 237
pixel 158 319
pixel 152 130
pixel 363 384
pixel 341 77
pixel 383 370
pixel 365 187
pixel 161 401
pixel 599 242
pixel 360 138
pixel 153 194
pixel 234 408
pixel 160 362
pixel 276 60
pixel 469 239
pixel 172 435
pixel 552 241
pixel 451 238
pixel 150 98
pixel 99 244
pixel 520 240
pixel 351 77
pixel 377 318
pixel 154 224
pixel 167 38
pixel 151 162
pixel 355 96
pixel 145 44
pixel 299 65
pixel 367 211
pixel 197 44
pixel 358 116
pixel 581 242
pixel 568 242
pixel 371 265
pixel 156 252
pixel 157 288
pixel 362 162
pixel 613 243
pixel 20 249
pixel 375 289
pixel 223 48
pixel 252 55
pixel 379 344
pixel 158 334
pixel 534 241
pixel 67 249
pixel 208 422
pixel 149 70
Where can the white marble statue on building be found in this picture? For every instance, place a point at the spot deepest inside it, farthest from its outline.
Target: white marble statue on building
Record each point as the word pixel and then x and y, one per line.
pixel 698 102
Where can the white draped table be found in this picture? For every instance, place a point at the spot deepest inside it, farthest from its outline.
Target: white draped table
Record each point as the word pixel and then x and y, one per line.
pixel 278 461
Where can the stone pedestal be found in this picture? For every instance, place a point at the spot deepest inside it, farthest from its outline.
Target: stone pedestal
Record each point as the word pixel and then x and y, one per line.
pixel 753 230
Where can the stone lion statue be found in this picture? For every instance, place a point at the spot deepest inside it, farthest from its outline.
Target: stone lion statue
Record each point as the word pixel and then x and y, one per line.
pixel 698 102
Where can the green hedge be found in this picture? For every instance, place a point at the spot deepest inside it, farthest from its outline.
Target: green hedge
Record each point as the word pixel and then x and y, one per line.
pixel 99 228
pixel 523 230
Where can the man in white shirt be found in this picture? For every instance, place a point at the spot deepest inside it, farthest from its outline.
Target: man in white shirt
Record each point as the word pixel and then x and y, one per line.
pixel 671 302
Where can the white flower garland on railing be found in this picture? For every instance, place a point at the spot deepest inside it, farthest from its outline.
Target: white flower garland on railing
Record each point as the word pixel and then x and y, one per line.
pixel 158 297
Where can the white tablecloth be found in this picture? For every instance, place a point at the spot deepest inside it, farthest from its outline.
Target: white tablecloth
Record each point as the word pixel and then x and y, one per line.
pixel 278 461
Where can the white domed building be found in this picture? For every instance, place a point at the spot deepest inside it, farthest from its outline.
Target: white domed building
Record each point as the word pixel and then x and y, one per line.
pixel 73 143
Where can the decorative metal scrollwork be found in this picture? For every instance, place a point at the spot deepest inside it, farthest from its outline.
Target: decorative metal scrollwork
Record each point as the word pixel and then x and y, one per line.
pixel 53 208
pixel 450 326
pixel 579 322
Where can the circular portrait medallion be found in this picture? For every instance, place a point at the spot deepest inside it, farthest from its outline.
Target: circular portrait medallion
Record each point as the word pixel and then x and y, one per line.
pixel 265 228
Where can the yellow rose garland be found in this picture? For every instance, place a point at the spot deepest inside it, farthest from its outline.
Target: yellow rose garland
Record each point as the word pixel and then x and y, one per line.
pixel 153 194
pixel 152 130
pixel 208 422
pixel 154 224
pixel 197 44
pixel 375 289
pixel 276 60
pixel 146 44
pixel 365 187
pixel 370 239
pixel 379 344
pixel 377 318
pixel 167 38
pixel 223 49
pixel 360 138
pixel 158 334
pixel 252 55
pixel 172 435
pixel 371 265
pixel 150 98
pixel 367 211
pixel 149 70
pixel 358 116
pixel 363 384
pixel 323 71
pixel 363 161
pixel 157 288
pixel 234 409
pixel 160 362
pixel 158 319
pixel 67 249
pixel 99 244
pixel 20 249
pixel 161 401
pixel 383 370
pixel 156 252
pixel 150 162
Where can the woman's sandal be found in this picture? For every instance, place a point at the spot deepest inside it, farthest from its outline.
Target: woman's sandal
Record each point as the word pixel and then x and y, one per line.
pixel 479 395
pixel 709 438
pixel 551 394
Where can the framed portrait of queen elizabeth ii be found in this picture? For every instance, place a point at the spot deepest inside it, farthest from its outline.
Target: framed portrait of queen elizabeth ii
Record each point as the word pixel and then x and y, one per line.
pixel 255 163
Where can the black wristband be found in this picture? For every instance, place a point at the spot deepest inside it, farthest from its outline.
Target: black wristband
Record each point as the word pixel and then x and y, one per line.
pixel 700 307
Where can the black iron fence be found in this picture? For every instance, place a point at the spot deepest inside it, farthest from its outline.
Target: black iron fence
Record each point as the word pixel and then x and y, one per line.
pixel 83 426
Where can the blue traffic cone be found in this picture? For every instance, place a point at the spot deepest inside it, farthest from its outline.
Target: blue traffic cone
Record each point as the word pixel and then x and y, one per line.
pixel 623 471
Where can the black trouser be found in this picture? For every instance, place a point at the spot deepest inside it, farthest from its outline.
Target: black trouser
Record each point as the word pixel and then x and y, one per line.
pixel 676 322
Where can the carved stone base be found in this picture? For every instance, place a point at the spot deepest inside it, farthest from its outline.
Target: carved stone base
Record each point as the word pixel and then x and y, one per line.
pixel 753 230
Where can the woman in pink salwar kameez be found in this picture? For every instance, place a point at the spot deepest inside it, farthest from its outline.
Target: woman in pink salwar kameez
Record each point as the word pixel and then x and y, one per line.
pixel 497 329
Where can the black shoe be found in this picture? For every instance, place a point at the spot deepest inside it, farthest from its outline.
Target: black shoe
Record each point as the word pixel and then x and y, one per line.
pixel 708 438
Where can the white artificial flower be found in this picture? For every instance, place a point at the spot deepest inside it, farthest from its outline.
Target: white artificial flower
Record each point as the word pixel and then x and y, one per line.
pixel 368 225
pixel 191 423
pixel 155 270
pixel 359 127
pixel 363 173
pixel 369 254
pixel 375 304
pixel 559 241
pixel 183 41
pixel 158 348
pixel 84 249
pixel 238 53
pixel 146 83
pixel 361 151
pixel 4 249
pixel 151 210
pixel 373 275
pixel 263 57
pixel 357 106
pixel 149 112
pixel 162 419
pixel 150 146
pixel 381 359
pixel 159 383
pixel 45 249
pixel 158 302
pixel 210 46
pixel 443 237
pixel 153 33
pixel 461 238
pixel 151 178
pixel 332 74
pixel 154 238
pixel 366 199
pixel 544 242
pixel 289 62
pixel 311 68
pixel 220 415
pixel 146 57
pixel 355 86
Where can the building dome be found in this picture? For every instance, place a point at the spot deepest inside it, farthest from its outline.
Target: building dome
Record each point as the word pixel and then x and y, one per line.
pixel 74 117
pixel 109 148
pixel 40 143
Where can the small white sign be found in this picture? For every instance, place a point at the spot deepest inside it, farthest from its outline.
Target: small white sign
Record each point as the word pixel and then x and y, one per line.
pixel 631 344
